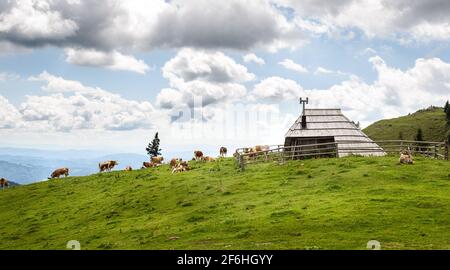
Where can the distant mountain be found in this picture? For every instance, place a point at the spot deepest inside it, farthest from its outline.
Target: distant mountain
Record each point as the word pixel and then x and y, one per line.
pixel 16 166
pixel 52 154
pixel 432 122
pixel 13 184
pixel 22 173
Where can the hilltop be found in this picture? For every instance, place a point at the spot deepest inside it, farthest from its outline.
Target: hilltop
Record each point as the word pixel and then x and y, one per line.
pixel 310 204
pixel 432 122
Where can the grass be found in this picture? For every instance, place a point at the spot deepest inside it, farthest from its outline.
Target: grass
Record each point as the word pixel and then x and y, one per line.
pixel 432 121
pixel 309 204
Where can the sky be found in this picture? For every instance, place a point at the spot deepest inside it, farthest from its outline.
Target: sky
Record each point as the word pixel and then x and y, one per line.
pixel 79 74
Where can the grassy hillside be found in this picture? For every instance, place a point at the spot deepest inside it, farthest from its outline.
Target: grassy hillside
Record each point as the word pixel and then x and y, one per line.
pixel 313 204
pixel 432 122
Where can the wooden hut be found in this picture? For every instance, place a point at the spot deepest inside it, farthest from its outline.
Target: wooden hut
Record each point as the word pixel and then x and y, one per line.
pixel 329 129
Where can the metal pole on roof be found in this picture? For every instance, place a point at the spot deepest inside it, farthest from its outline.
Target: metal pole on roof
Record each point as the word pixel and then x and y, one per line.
pixel 304 102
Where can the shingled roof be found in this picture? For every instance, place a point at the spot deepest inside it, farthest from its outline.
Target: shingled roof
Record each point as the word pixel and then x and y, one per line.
pixel 332 123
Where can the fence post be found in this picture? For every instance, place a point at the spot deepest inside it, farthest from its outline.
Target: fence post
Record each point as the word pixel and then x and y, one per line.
pixel 435 151
pixel 241 163
pixel 446 150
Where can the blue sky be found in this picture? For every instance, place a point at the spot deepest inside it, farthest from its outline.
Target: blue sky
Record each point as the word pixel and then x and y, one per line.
pixel 72 77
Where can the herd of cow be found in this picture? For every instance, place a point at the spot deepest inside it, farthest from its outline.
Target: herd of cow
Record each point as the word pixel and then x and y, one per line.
pixel 176 164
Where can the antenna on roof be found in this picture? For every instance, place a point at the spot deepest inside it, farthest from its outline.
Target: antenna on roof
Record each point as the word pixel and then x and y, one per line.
pixel 304 102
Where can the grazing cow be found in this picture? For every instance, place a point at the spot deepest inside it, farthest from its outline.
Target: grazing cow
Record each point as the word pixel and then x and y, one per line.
pixel 4 183
pixel 59 172
pixel 175 161
pixel 107 165
pixel 406 157
pixel 208 159
pixel 223 151
pixel 181 167
pixel 260 148
pixel 149 165
pixel 157 160
pixel 198 155
pixel 128 169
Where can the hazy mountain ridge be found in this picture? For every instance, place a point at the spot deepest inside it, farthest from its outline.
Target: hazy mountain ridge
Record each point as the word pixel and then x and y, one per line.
pixel 27 169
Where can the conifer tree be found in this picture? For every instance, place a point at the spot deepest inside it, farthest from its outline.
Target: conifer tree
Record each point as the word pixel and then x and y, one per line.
pixel 153 149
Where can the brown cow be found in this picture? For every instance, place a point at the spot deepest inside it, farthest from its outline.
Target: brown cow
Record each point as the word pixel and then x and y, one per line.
pixel 59 172
pixel 157 160
pixel 223 151
pixel 107 165
pixel 406 157
pixel 260 148
pixel 175 161
pixel 147 164
pixel 128 169
pixel 208 159
pixel 181 167
pixel 4 183
pixel 198 155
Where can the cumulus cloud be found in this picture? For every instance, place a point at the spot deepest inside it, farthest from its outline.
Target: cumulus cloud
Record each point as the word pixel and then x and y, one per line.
pixel 146 25
pixel 113 60
pixel 277 89
pixel 290 64
pixel 190 65
pixel 34 22
pixel 403 20
pixel 9 116
pixel 394 93
pixel 202 78
pixel 251 57
pixel 73 105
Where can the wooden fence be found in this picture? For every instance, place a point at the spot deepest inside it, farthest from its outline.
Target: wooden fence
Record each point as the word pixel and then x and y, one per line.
pixel 281 153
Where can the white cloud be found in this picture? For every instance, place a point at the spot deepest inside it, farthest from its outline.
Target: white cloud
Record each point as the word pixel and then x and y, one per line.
pixel 325 71
pixel 202 78
pixel 9 116
pixel 394 93
pixel 251 57
pixel 403 20
pixel 169 98
pixel 111 60
pixel 140 25
pixel 277 89
pixel 289 64
pixel 59 84
pixel 196 94
pixel 30 21
pixel 76 106
pixel 189 65
pixel 322 70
